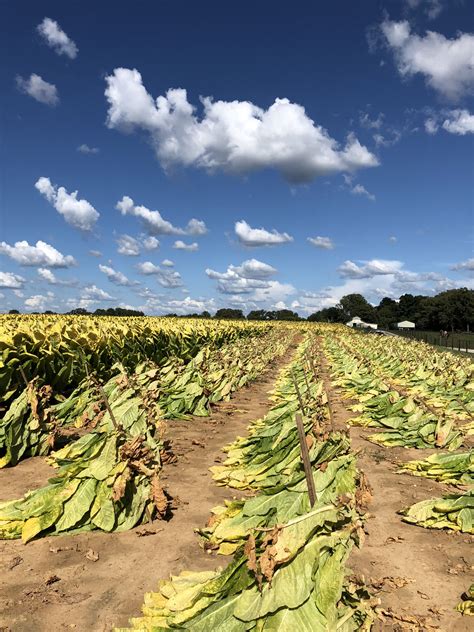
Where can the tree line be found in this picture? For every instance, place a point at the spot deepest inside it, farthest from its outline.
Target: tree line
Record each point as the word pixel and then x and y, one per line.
pixel 452 310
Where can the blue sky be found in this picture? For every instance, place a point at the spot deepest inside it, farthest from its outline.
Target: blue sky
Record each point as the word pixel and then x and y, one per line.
pixel 320 149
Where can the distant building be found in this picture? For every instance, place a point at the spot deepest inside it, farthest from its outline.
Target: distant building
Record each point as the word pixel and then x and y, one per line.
pixel 406 324
pixel 358 323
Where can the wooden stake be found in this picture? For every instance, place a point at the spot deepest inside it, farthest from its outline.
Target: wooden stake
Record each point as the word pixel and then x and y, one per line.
pixel 23 375
pixel 298 393
pixel 107 405
pixel 306 460
pixel 308 392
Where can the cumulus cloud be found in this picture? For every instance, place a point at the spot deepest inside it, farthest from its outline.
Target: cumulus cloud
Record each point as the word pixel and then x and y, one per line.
pixel 459 122
pixel 39 89
pixel 392 239
pixel 39 302
pixel 326 243
pixel 48 275
pixel 196 228
pixel 188 305
pixel 165 277
pixel 57 39
pixel 248 277
pixel 93 293
pixel 95 253
pixel 11 281
pixel 128 246
pixel 464 265
pixel 116 277
pixel 446 64
pixel 181 245
pixel 253 237
pixel 374 267
pixel 42 254
pixel 78 213
pixel 167 263
pixel 85 149
pixel 151 243
pixel 155 224
pixel 233 136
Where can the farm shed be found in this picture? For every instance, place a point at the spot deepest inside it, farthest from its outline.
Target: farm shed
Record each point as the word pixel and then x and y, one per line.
pixel 406 324
pixel 359 323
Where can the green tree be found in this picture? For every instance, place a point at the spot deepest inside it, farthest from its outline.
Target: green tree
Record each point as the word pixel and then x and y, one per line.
pixel 257 314
pixel 455 309
pixel 357 305
pixel 229 313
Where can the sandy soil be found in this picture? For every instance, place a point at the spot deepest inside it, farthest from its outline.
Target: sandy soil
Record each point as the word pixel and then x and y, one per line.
pixel 421 572
pixel 57 583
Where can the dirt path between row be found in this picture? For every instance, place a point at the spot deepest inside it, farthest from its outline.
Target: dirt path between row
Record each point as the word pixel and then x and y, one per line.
pixel 423 572
pixel 57 583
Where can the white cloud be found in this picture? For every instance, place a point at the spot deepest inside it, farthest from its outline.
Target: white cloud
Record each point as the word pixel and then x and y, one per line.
pixel 155 224
pixel 460 122
pixel 39 302
pixel 253 237
pixel 57 39
pixel 39 89
pixel 181 245
pixel 48 275
pixel 95 253
pixel 369 123
pixel 254 269
pixel 233 136
pixel 151 243
pixel 358 189
pixel 383 141
pixel 11 281
pixel 369 269
pixel 326 243
pixel 85 149
pixel 392 239
pixel 42 254
pixel 196 228
pixel 464 265
pixel 78 213
pixel 431 126
pixel 167 263
pixel 188 305
pixel 251 275
pixel 446 64
pixel 165 277
pixel 93 293
pixel 128 246
pixel 116 277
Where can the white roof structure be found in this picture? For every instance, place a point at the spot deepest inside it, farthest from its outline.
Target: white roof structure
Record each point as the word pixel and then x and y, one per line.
pixel 358 322
pixel 406 324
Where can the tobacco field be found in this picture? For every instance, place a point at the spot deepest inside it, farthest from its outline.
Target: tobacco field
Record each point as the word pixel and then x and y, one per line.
pixel 114 410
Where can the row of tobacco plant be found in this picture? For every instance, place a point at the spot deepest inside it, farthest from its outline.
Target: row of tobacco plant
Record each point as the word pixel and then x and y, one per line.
pixel 289 558
pixel 418 398
pixel 108 470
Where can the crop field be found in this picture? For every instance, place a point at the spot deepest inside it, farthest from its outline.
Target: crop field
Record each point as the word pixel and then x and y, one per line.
pixel 160 473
